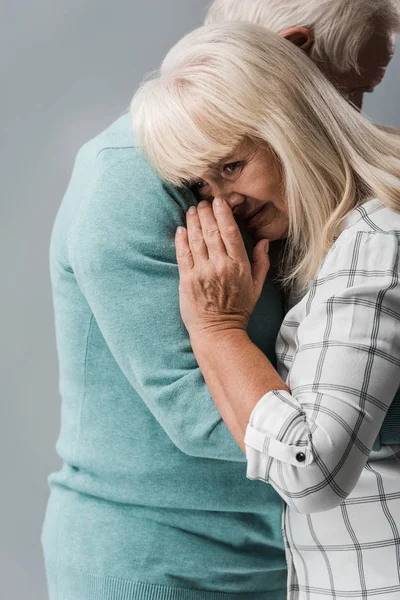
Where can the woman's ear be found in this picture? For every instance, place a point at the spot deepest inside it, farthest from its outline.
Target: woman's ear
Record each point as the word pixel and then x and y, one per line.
pixel 302 37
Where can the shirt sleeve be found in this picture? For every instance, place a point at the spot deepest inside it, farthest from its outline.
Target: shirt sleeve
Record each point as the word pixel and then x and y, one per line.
pixel 122 253
pixel 313 443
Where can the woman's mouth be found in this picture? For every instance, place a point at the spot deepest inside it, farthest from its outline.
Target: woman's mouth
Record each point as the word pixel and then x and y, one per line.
pixel 254 220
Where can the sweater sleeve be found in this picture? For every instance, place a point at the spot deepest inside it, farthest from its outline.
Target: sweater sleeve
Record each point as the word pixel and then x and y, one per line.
pixel 122 252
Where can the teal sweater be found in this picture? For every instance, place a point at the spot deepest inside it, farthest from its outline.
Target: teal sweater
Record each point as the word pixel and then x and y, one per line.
pixel 152 499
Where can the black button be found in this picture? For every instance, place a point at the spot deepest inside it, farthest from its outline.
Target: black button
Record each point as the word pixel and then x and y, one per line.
pixel 300 457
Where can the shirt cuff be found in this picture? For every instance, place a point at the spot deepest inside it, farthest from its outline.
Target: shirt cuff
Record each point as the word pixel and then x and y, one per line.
pixel 277 431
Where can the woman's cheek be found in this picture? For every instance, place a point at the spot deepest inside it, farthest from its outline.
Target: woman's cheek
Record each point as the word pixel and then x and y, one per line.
pixel 276 229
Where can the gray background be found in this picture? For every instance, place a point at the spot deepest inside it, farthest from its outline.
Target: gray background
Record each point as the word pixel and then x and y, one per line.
pixel 67 69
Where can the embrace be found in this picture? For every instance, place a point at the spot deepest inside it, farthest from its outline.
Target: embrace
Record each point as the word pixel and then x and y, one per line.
pixel 227 302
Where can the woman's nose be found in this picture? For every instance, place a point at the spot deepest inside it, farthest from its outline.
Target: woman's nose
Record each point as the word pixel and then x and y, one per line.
pixel 234 199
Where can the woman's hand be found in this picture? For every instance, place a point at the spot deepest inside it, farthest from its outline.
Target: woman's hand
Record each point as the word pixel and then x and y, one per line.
pixel 219 288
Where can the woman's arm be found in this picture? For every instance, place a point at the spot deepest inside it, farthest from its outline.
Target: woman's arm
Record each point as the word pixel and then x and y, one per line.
pixel 237 374
pixel 310 444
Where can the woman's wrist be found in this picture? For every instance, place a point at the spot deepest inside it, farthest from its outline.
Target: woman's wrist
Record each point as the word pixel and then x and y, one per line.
pixel 207 342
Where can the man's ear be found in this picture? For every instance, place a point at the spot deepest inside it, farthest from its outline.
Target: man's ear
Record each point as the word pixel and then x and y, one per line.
pixel 302 37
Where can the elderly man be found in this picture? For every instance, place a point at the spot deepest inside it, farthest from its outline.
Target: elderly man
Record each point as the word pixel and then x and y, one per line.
pixel 351 41
pixel 152 499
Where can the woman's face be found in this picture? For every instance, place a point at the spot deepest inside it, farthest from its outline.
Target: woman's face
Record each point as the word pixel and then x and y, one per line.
pixel 250 181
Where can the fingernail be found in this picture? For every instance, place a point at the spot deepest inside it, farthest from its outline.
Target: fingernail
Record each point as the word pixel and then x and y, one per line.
pixel 203 204
pixel 192 210
pixel 218 201
pixel 180 230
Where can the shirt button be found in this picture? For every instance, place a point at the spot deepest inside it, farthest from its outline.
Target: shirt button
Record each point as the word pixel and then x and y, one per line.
pixel 300 457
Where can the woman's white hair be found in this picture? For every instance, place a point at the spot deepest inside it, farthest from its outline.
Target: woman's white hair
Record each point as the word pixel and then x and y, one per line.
pixel 225 83
pixel 341 27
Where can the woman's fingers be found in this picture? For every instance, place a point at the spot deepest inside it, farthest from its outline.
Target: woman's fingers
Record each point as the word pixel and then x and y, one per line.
pixel 230 233
pixel 183 252
pixel 197 244
pixel 210 229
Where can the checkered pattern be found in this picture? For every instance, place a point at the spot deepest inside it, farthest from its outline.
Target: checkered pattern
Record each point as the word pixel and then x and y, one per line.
pixel 339 350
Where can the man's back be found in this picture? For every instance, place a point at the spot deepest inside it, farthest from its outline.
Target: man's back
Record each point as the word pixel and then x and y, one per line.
pixel 152 491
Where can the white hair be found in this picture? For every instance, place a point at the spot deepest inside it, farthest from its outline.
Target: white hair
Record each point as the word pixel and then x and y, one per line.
pixel 341 27
pixel 233 81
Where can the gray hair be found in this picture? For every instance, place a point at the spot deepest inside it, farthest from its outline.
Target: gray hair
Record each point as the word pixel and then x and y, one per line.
pixel 341 27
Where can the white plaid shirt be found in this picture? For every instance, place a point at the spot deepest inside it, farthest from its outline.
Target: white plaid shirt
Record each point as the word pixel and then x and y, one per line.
pixel 339 350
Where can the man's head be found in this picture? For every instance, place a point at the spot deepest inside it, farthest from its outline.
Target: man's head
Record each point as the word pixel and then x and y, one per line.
pixel 351 41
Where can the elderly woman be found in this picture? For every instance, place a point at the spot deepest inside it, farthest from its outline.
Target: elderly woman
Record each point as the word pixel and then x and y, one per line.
pixel 249 123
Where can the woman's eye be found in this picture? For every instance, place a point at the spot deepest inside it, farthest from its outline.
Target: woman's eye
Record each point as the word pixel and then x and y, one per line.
pixel 232 168
pixel 198 187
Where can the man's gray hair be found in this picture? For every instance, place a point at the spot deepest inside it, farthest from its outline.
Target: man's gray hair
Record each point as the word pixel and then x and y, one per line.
pixel 341 27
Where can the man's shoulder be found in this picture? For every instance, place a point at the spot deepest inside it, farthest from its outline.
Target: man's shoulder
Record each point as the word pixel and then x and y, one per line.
pixel 117 140
pixel 115 156
pixel 113 180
